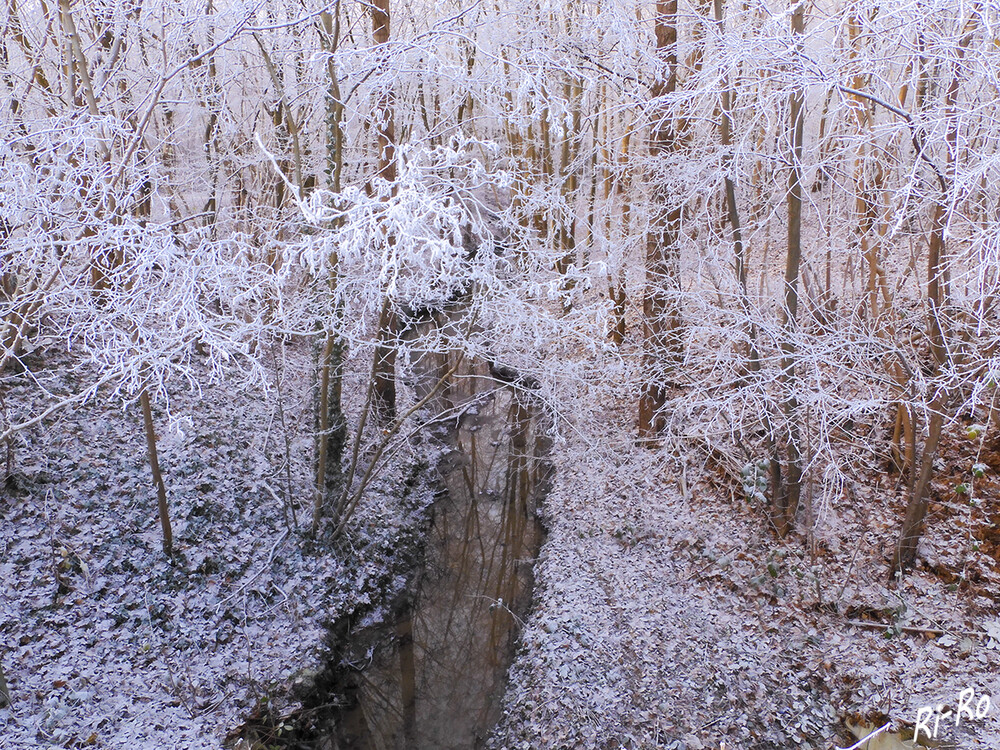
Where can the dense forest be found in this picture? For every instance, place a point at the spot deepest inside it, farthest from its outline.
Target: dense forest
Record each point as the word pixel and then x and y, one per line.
pixel 696 301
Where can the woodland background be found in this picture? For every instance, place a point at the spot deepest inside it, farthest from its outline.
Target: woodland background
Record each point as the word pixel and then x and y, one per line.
pixel 760 239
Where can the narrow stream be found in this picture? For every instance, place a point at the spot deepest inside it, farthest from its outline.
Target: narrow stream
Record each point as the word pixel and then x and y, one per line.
pixel 437 679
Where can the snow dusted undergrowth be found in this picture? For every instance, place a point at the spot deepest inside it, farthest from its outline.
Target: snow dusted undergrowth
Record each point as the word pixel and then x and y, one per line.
pixel 669 622
pixel 108 644
pixel 661 620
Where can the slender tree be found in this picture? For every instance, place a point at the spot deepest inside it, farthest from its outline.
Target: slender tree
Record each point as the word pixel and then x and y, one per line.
pixel 939 322
pixel 331 423
pixel 787 499
pixel 661 317
pixel 384 394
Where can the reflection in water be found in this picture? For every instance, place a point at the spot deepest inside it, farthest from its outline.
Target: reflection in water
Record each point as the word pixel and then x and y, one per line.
pixel 438 680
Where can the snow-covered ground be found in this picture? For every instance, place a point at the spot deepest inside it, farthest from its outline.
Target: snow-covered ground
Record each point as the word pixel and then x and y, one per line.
pixel 679 622
pixel 666 614
pixel 108 644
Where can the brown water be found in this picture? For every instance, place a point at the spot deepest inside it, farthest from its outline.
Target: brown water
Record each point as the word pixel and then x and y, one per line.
pixel 437 680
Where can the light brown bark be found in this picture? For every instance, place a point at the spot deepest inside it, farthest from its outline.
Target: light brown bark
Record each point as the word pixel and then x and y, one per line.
pixel 787 499
pixel 384 395
pixel 939 328
pixel 154 465
pixel 662 334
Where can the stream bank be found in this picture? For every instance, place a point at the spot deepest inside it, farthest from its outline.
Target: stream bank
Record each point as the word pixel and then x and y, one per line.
pixel 424 664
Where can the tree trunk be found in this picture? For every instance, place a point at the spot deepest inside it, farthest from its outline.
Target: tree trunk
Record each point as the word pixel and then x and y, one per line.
pixel 916 510
pixel 732 209
pixel 384 396
pixel 787 500
pixel 938 298
pixel 331 425
pixel 660 305
pixel 154 465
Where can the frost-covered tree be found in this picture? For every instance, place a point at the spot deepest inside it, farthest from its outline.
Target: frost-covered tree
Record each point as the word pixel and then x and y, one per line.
pixel 759 231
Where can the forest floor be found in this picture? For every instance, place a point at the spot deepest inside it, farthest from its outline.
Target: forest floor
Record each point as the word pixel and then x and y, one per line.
pixel 666 613
pixel 106 642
